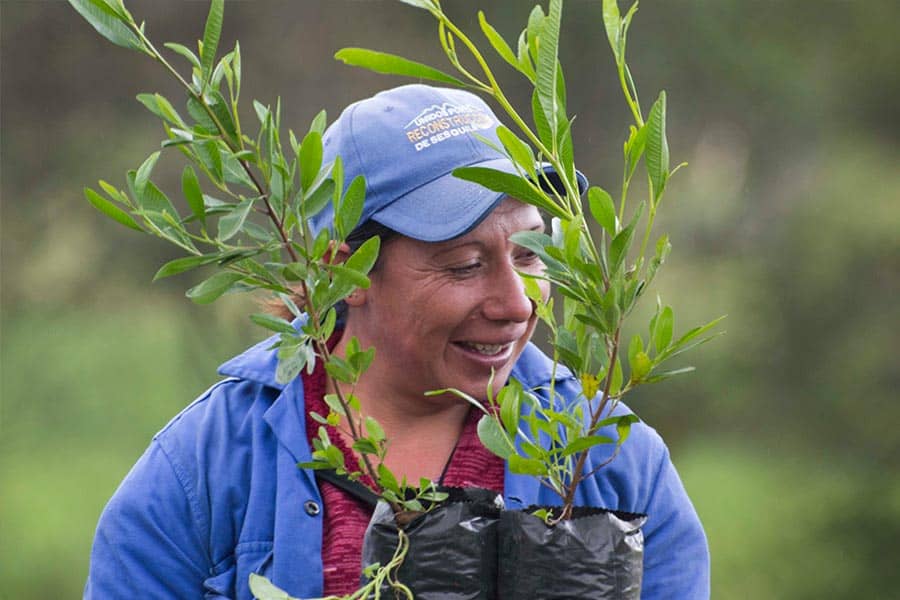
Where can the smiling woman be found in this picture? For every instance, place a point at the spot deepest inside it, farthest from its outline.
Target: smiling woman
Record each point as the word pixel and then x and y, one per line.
pixel 218 495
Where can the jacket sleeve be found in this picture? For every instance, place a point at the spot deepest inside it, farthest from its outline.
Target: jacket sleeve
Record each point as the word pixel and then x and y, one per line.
pixel 148 542
pixel 676 555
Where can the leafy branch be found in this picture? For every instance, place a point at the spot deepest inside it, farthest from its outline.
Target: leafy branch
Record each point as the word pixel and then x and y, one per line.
pixel 286 187
pixel 600 282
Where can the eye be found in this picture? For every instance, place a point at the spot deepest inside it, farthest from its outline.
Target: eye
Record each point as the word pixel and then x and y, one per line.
pixel 465 269
pixel 527 258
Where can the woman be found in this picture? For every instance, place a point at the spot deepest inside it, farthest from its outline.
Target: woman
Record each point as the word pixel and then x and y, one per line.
pixel 218 494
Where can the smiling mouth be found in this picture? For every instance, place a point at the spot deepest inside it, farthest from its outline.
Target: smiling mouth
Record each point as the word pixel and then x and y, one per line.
pixel 484 349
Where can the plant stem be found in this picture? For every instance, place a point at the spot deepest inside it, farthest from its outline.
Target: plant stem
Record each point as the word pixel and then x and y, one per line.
pixel 264 195
pixel 578 473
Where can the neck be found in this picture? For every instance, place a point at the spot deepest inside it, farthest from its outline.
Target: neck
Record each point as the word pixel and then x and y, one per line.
pixel 421 433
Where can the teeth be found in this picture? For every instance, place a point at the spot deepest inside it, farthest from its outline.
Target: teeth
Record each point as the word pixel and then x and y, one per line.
pixel 488 349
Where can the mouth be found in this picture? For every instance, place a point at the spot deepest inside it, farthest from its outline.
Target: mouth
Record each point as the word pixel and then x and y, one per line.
pixel 485 349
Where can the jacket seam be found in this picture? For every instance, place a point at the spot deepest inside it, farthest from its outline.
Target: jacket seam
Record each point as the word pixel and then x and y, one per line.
pixel 199 523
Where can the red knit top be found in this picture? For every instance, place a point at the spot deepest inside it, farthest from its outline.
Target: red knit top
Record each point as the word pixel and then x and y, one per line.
pixel 346 517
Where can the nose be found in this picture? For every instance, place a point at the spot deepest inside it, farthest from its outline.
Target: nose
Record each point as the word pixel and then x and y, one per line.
pixel 506 299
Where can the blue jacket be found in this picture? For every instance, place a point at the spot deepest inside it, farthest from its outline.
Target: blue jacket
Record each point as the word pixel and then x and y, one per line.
pixel 218 496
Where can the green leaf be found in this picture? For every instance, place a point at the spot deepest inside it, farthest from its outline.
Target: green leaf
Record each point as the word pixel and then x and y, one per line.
pixel 351 207
pixel 374 430
pixel 668 374
pixel 110 210
pixel 211 35
pixel 535 24
pixel 583 443
pixel 541 123
pixel 662 333
pixel 640 366
pixel 493 437
pixel 612 22
pixel 634 347
pixel 108 23
pixel 335 457
pixel 319 199
pixel 603 209
pixel 273 323
pixel 344 276
pixel 386 479
pixel 154 204
pixel 190 187
pixel 618 249
pixel 185 52
pixel 657 151
pixel 161 107
pixel 219 106
pixel 361 360
pixel 215 286
pixel 510 406
pixel 498 42
pixel 319 122
pixel 391 64
pixel 290 365
pixel 310 159
pixel 682 345
pixel 527 466
pixel 663 248
pixel 231 223
pixel 547 65
pixel 334 404
pixel 519 151
pixel 180 265
pixel 512 185
pixel 338 368
pixel 234 172
pixel 623 426
pixel 365 256
pixel 616 379
pixel 263 589
pixel 143 173
pixel 525 65
pixel 634 148
pixel 538 243
pixel 113 192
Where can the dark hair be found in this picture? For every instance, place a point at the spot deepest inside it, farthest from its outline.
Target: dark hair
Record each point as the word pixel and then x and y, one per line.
pixel 357 238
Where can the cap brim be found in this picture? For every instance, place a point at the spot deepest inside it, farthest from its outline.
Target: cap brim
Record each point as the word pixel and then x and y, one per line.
pixel 449 207
pixel 444 208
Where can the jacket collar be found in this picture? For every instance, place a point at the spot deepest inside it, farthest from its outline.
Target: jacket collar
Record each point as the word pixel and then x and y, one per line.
pixel 286 416
pixel 256 364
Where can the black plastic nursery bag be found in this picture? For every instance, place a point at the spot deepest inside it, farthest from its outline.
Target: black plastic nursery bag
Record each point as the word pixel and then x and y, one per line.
pixel 452 548
pixel 598 554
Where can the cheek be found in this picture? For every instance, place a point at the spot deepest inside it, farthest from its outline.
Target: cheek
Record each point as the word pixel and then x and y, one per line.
pixel 545 289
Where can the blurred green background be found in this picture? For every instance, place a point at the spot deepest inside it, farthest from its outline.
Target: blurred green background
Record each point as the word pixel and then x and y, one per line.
pixel 786 220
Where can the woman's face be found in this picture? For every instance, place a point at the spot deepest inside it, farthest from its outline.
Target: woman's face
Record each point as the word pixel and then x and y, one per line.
pixel 444 315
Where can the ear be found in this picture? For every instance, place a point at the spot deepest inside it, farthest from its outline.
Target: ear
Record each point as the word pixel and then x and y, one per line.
pixel 342 254
pixel 358 296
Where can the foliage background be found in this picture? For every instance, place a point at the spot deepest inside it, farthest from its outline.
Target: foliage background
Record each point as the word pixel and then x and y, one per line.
pixel 787 220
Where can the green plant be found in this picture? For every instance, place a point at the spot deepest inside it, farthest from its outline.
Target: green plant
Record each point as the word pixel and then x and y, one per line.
pixel 255 230
pixel 601 276
pixel 377 577
pixel 254 227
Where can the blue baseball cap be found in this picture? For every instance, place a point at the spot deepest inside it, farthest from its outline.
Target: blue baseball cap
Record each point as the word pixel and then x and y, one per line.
pixel 406 142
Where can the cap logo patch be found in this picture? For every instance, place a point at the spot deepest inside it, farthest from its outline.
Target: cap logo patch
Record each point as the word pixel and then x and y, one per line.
pixel 440 122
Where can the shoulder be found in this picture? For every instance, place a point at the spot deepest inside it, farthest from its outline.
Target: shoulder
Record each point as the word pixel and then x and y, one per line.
pixel 228 413
pixel 218 442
